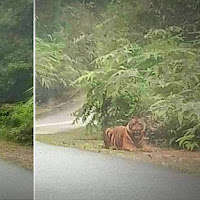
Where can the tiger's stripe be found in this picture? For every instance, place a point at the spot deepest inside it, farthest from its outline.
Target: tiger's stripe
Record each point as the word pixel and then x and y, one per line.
pixel 125 137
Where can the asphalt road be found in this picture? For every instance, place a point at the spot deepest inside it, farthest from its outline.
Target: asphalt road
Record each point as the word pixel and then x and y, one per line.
pixel 60 118
pixel 15 183
pixel 70 174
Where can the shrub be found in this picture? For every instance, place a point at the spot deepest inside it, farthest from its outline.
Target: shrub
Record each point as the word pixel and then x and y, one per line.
pixel 17 122
pixel 160 78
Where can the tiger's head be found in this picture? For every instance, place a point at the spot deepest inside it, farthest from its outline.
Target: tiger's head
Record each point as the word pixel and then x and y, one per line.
pixel 135 129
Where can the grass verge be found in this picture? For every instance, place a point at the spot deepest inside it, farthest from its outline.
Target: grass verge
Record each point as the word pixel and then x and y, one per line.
pixel 17 154
pixel 78 138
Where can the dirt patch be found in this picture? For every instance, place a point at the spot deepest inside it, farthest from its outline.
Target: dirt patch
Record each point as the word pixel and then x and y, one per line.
pixel 17 154
pixel 178 159
pixel 78 138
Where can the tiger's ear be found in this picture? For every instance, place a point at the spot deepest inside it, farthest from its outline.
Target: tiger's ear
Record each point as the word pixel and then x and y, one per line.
pixel 133 121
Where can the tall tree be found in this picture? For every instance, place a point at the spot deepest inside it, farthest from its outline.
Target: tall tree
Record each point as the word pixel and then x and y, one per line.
pixel 16 49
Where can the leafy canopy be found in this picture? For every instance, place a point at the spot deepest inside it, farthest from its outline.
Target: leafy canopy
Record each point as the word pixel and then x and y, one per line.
pixel 132 58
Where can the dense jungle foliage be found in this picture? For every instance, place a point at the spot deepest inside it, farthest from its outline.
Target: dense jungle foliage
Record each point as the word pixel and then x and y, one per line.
pixel 132 57
pixel 16 70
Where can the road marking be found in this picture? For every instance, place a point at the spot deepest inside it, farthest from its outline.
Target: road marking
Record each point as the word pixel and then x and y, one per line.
pixel 54 124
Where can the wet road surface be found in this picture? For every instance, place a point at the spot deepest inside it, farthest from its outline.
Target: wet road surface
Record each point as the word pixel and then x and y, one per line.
pixel 71 174
pixel 15 183
pixel 60 119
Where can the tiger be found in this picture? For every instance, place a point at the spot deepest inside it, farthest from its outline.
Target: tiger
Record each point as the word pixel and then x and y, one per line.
pixel 129 137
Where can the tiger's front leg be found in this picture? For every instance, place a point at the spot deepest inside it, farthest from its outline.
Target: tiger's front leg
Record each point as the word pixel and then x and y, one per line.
pixel 145 148
pixel 128 145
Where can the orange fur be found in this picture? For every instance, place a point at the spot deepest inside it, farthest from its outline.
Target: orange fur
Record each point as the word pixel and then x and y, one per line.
pixel 127 137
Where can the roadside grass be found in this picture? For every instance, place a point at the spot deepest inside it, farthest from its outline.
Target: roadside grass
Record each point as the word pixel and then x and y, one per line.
pixel 186 161
pixel 17 154
pixel 77 138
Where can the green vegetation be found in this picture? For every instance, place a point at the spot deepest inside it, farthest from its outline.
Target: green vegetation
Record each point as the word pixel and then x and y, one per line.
pixel 16 71
pixel 17 122
pixel 133 58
